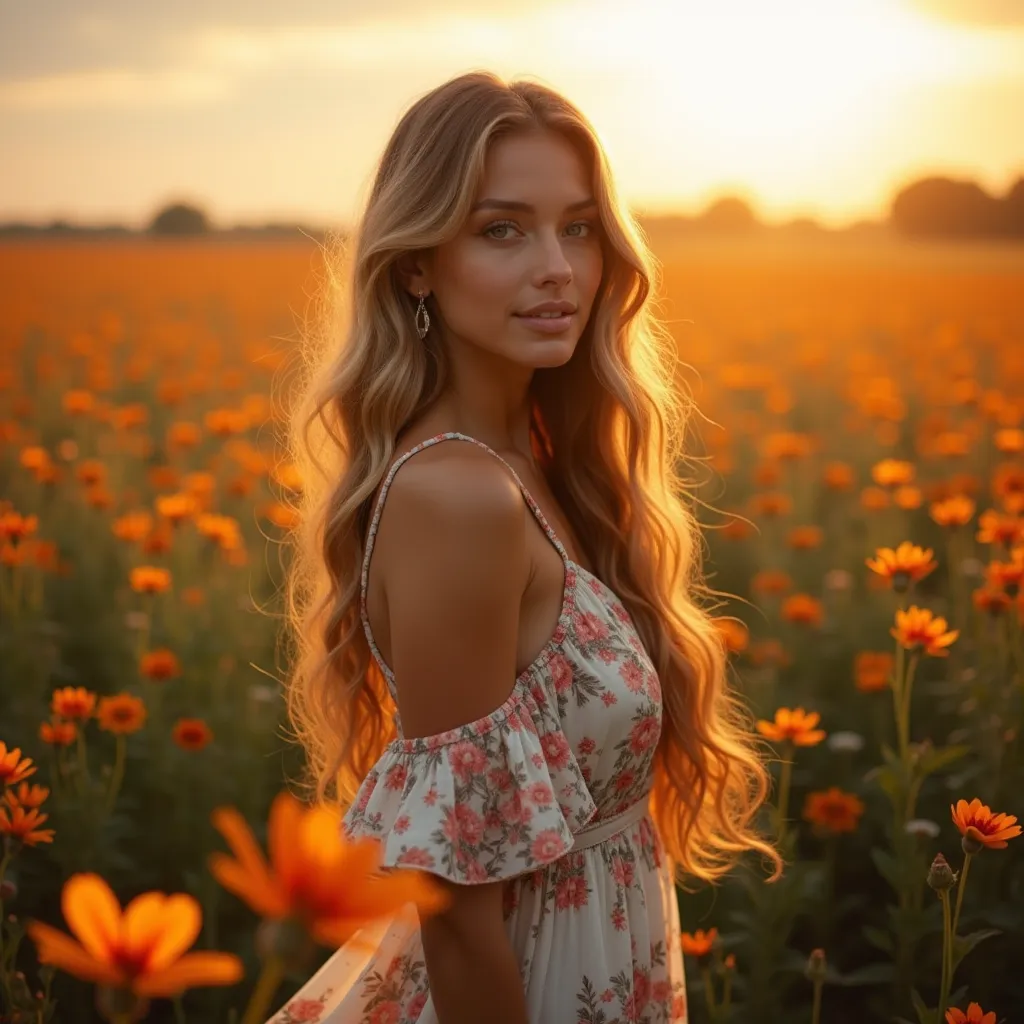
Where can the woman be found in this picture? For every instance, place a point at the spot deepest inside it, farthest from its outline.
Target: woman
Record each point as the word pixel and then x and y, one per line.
pixel 518 692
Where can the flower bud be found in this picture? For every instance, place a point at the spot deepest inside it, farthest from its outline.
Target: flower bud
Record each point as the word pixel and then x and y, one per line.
pixel 113 1003
pixel 970 845
pixel 940 874
pixel 816 966
pixel 287 940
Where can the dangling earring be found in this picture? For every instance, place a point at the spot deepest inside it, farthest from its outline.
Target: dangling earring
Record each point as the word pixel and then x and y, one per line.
pixel 421 308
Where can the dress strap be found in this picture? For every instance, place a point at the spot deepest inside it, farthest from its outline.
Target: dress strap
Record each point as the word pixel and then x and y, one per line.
pixel 375 522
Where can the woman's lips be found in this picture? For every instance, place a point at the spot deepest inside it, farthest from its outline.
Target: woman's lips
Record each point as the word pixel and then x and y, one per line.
pixel 547 324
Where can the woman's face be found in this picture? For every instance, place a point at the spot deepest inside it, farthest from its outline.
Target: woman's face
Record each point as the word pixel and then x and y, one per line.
pixel 507 259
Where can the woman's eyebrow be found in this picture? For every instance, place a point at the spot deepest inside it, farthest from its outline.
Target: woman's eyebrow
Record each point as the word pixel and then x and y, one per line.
pixel 515 204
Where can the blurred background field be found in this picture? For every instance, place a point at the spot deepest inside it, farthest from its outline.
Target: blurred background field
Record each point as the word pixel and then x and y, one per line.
pixel 842 395
pixel 836 196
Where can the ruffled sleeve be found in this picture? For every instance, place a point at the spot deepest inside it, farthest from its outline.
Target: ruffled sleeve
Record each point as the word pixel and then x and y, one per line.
pixel 498 797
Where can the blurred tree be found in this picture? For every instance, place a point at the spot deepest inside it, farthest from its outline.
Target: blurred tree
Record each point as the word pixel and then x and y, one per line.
pixel 179 219
pixel 942 207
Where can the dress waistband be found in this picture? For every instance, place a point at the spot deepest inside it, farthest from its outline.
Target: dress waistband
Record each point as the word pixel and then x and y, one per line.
pixel 594 835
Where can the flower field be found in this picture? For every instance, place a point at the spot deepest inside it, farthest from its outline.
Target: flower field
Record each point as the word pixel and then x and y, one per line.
pixel 861 469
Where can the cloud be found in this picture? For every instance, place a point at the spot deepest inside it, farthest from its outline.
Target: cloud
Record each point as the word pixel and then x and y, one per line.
pixel 60 36
pixel 994 13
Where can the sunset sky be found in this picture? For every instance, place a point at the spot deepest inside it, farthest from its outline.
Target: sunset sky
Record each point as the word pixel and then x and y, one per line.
pixel 259 109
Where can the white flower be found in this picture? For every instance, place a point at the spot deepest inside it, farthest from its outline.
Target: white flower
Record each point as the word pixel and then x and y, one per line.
pixel 922 827
pixel 845 742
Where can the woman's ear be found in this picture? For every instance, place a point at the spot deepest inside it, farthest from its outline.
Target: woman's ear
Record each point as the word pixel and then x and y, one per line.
pixel 413 274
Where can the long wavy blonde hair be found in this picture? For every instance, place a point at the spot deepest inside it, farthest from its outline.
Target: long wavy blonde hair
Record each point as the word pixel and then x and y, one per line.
pixel 607 429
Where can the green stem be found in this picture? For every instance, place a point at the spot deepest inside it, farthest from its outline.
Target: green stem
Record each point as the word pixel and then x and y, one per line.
pixel 816 1009
pixel 907 687
pixel 785 781
pixel 118 774
pixel 897 700
pixel 947 943
pixel 270 978
pixel 179 1010
pixel 956 913
pixel 709 993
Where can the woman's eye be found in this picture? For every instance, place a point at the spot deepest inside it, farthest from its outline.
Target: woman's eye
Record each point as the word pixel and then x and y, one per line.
pixel 588 225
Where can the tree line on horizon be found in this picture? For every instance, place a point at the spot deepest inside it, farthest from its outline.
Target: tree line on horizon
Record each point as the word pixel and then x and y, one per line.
pixel 933 207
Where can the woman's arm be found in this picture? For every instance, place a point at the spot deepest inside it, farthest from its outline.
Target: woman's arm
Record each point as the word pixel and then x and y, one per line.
pixel 454 574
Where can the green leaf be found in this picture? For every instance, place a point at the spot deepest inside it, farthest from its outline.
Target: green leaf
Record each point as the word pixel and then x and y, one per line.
pixel 963 944
pixel 879 938
pixel 924 1015
pixel 888 866
pixel 872 974
pixel 940 757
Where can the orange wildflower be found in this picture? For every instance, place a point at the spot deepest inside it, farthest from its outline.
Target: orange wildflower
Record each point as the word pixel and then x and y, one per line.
pixel 22 824
pixel 191 733
pixel 906 565
pixel 141 949
pixel 803 610
pixel 737 528
pixel 974 1015
pixel 768 652
pixel 1007 576
pixel 892 472
pixel 1008 486
pixel 14 767
pixel 770 581
pixel 734 633
pixel 26 796
pixel 803 538
pixel 148 579
pixel 176 508
pixel 977 822
pixel 91 472
pixel 839 476
pixel 78 403
pixel 918 627
pixel 133 526
pixel 956 510
pixel 996 528
pixel 700 943
pixel 991 600
pixel 833 810
pixel 797 726
pixel 16 528
pixel 332 886
pixel 874 498
pixel 121 714
pixel 872 670
pixel 1009 440
pixel 160 664
pixel 57 733
pixel 74 703
pixel 907 497
pixel 281 515
pixel 771 504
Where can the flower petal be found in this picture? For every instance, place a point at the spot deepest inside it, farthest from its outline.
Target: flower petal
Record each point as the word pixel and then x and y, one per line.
pixel 190 971
pixel 161 928
pixel 262 893
pixel 54 947
pixel 284 827
pixel 93 913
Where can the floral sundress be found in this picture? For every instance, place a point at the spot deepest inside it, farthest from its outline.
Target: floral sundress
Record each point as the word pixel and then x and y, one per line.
pixel 548 793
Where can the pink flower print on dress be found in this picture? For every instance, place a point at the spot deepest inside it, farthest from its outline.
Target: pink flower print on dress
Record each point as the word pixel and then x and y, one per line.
pixel 396 776
pixel 561 673
pixel 540 793
pixel 644 734
pixel 416 857
pixel 571 892
pixel 556 750
pixel 632 675
pixel 385 1013
pixel 547 845
pixel 589 627
pixel 587 745
pixel 304 1011
pixel 515 809
pixel 402 823
pixel 462 823
pixel 416 1004
pixel 466 760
